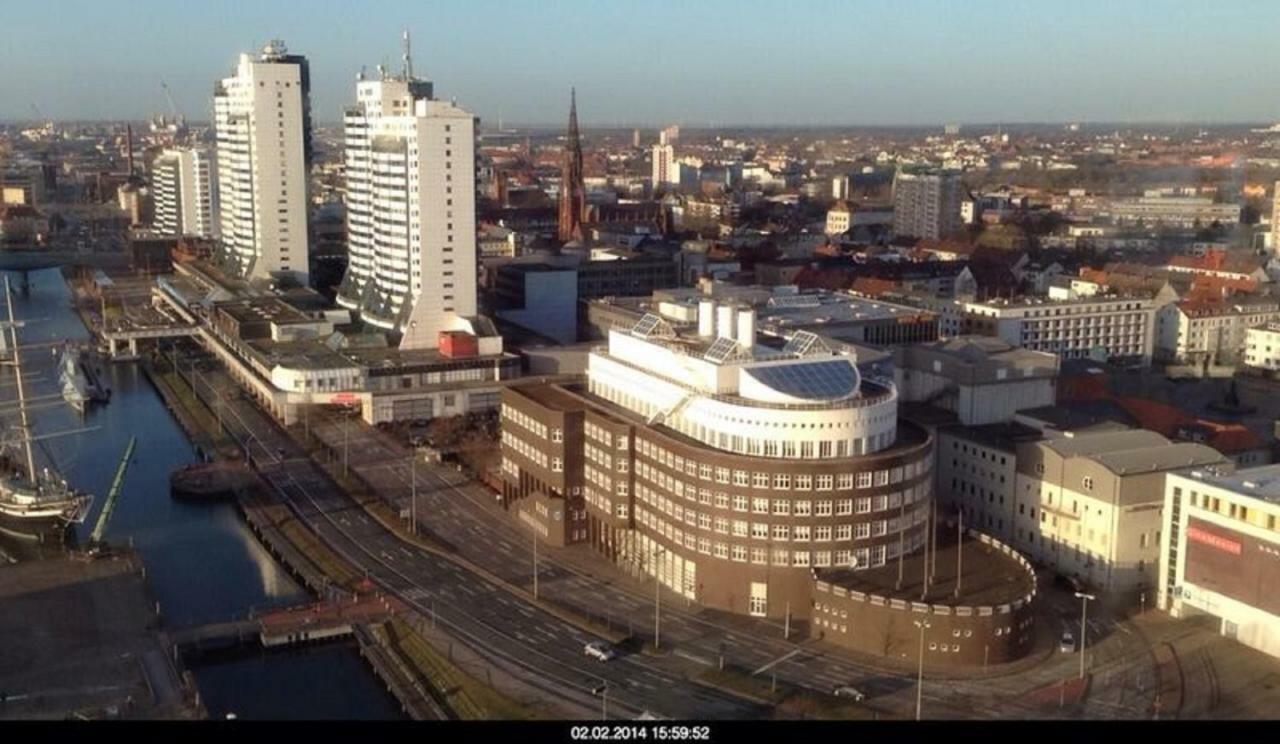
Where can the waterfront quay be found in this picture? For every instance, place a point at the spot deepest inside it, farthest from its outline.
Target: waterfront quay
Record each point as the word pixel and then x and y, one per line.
pixel 82 641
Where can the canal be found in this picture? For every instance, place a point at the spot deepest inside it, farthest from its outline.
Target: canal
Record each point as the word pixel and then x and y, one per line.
pixel 202 563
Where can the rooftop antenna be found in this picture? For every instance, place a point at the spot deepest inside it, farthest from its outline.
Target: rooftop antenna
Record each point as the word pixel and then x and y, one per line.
pixel 408 57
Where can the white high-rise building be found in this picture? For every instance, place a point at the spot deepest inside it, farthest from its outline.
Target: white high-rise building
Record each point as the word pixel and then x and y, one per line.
pixel 185 197
pixel 262 117
pixel 1275 219
pixel 411 212
pixel 926 205
pixel 665 171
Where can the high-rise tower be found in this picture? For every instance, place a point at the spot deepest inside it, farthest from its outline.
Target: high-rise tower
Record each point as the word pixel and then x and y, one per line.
pixel 182 181
pixel 573 192
pixel 262 118
pixel 411 213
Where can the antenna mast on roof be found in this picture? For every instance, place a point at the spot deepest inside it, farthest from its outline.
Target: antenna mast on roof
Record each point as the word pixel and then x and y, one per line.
pixel 408 57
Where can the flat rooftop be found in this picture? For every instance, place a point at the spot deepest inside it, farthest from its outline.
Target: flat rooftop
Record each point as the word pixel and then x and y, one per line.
pixel 263 309
pixel 988 576
pixel 1262 482
pixel 390 358
pixel 308 354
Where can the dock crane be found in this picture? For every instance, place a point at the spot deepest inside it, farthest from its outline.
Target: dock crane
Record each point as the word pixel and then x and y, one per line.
pixel 96 545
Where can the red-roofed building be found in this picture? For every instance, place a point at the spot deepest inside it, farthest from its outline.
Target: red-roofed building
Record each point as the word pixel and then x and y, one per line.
pixel 1217 262
pixel 1233 440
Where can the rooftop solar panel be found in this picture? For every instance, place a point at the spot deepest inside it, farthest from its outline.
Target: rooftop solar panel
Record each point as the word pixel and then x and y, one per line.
pixel 832 379
pixel 723 349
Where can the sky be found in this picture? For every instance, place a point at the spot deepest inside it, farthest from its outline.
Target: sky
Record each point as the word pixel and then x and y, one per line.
pixel 654 62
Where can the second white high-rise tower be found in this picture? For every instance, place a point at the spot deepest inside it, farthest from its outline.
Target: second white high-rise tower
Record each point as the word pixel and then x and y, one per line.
pixel 410 169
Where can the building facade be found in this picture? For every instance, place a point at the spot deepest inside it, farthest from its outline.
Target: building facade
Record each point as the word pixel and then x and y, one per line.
pixel 1217 332
pixel 665 172
pixel 1262 348
pixel 262 121
pixel 982 380
pixel 411 215
pixel 183 187
pixel 1222 554
pixel 926 205
pixel 1089 504
pixel 727 470
pixel 1110 328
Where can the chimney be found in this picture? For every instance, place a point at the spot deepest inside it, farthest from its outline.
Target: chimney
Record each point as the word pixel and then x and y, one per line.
pixel 128 134
pixel 747 327
pixel 724 321
pixel 707 318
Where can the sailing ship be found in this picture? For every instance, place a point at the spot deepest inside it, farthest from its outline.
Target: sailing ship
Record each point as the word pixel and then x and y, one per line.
pixel 34 499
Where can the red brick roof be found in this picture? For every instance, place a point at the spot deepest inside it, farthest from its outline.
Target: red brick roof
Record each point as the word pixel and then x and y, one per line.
pixel 1163 418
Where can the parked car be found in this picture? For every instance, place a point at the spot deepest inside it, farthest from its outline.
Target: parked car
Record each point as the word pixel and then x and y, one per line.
pixel 1068 644
pixel 600 651
pixel 847 691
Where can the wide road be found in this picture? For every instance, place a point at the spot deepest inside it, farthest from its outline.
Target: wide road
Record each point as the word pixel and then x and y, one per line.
pixel 512 633
pixel 461 514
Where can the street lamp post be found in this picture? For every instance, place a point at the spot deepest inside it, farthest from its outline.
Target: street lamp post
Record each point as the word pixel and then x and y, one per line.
pixel 534 529
pixel 922 625
pixel 1084 628
pixel 603 692
pixel 413 493
pixel 657 598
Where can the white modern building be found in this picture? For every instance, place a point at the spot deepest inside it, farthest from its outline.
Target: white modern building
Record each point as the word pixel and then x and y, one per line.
pixel 262 119
pixel 926 205
pixel 665 170
pixel 1262 347
pixel 183 188
pixel 1119 328
pixel 1192 331
pixel 411 224
pixel 1221 557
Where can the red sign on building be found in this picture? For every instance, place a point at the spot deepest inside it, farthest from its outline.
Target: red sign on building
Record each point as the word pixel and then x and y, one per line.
pixel 1214 541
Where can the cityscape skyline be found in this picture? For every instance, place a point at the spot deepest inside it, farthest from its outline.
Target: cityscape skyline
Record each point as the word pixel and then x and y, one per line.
pixel 1047 66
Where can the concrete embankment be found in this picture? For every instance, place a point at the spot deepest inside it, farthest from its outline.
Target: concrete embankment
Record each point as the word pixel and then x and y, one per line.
pixel 82 641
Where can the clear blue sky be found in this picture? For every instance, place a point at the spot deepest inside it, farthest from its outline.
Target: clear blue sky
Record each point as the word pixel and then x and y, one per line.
pixel 657 61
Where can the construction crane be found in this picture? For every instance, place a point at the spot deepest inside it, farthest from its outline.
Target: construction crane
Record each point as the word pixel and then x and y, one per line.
pixel 173 107
pixel 96 545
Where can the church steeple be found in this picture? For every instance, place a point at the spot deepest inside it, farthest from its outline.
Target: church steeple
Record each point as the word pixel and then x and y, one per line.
pixel 573 192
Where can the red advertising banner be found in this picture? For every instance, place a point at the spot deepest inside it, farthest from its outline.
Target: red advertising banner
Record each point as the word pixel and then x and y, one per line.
pixel 1214 541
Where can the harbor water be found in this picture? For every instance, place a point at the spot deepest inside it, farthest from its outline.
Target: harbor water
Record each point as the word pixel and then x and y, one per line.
pixel 203 564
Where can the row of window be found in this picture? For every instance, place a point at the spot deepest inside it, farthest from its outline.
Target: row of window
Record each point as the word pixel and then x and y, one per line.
pixel 725 439
pixel 772 531
pixel 1233 510
pixel 533 454
pixel 781 506
pixel 780 481
pixel 858 558
pixel 525 421
pixel 604 436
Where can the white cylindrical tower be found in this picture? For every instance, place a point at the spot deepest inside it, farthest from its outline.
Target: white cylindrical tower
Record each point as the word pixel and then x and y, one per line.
pixel 706 318
pixel 724 321
pixel 747 327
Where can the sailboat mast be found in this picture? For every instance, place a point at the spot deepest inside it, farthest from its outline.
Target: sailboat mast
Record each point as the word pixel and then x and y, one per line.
pixel 22 395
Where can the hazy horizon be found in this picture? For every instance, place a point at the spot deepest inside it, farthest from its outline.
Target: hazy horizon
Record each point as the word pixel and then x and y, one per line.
pixel 816 64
